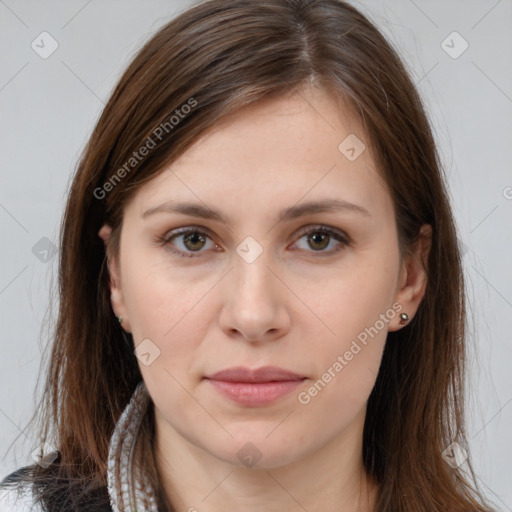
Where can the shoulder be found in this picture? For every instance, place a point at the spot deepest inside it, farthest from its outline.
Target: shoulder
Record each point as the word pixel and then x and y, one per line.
pixel 19 490
pixel 16 493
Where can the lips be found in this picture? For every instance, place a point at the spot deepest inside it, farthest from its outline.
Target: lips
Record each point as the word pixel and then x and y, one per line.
pixel 255 388
pixel 263 374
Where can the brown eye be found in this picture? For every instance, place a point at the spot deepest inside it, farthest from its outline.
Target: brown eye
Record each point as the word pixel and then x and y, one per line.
pixel 190 242
pixel 186 242
pixel 194 241
pixel 319 238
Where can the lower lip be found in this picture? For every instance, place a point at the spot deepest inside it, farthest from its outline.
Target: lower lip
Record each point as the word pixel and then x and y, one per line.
pixel 257 393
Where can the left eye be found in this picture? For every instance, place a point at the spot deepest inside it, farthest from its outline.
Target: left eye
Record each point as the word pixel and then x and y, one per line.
pixel 193 240
pixel 319 238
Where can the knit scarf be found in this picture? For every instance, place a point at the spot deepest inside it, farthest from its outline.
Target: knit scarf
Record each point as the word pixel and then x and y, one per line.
pixel 128 489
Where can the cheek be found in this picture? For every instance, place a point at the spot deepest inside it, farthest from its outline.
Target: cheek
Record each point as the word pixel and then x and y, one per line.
pixel 356 309
pixel 353 297
pixel 170 310
pixel 347 368
pixel 162 299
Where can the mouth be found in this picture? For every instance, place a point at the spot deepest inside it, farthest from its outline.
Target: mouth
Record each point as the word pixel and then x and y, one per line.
pixel 255 387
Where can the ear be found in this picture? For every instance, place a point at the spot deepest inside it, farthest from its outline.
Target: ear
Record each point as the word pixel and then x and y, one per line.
pixel 412 282
pixel 116 291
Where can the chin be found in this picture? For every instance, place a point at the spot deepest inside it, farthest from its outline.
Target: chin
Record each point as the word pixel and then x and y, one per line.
pixel 258 451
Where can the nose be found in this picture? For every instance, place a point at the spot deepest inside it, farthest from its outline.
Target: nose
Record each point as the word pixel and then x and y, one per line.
pixel 255 306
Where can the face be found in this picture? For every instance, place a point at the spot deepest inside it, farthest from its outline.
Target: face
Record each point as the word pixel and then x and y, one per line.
pixel 313 292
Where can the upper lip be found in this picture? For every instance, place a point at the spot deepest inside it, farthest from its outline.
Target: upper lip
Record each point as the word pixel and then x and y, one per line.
pixel 263 374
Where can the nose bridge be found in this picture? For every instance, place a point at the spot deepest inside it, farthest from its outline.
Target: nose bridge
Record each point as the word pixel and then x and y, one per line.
pixel 253 303
pixel 253 299
pixel 251 268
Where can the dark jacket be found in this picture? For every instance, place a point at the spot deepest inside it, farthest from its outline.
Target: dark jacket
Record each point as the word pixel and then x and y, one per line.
pixel 18 494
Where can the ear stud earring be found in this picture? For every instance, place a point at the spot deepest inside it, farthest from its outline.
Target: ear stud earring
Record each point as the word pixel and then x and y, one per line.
pixel 404 318
pixel 120 319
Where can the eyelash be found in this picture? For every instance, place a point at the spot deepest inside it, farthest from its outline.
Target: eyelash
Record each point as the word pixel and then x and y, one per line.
pixel 166 239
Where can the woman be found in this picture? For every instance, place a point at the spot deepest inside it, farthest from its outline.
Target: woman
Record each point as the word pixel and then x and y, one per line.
pixel 261 295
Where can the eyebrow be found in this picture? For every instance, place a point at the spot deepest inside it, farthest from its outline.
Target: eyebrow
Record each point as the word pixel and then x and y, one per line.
pixel 293 212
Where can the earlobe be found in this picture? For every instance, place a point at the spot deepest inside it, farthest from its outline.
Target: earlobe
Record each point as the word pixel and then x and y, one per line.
pixel 413 278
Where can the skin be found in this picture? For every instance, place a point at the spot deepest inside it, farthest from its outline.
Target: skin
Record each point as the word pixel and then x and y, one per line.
pixel 299 306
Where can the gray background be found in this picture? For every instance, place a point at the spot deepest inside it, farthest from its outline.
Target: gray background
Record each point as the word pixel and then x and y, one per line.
pixel 49 106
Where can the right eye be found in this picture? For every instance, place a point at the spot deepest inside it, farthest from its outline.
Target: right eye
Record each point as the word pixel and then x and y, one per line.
pixel 191 239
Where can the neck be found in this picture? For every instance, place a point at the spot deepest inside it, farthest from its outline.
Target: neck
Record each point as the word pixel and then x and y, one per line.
pixel 331 478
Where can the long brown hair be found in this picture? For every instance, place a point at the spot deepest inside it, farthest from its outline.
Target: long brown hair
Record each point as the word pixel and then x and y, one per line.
pixel 217 57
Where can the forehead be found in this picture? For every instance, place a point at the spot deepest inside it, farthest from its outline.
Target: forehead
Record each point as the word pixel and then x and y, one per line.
pixel 287 129
pixel 275 152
